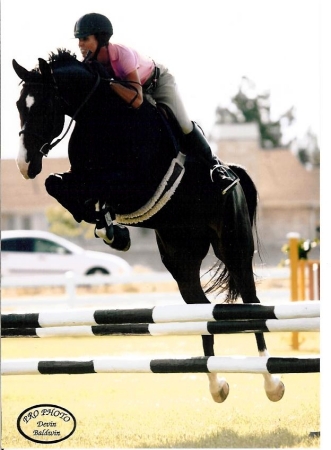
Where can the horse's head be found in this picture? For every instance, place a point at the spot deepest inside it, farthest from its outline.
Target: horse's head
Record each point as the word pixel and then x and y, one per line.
pixel 41 114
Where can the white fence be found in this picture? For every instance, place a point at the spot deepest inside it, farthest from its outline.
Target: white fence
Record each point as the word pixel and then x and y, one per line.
pixel 127 299
pixel 71 298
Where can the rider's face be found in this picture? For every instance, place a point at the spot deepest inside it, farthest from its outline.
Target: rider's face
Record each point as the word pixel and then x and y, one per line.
pixel 87 43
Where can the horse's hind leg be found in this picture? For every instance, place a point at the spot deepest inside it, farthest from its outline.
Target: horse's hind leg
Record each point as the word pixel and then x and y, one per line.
pixel 238 261
pixel 273 385
pixel 218 387
pixel 184 262
pixel 244 279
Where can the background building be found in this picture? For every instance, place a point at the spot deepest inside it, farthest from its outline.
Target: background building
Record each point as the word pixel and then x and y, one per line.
pixel 289 194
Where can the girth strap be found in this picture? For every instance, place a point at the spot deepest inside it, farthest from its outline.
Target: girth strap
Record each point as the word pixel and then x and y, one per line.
pixel 162 195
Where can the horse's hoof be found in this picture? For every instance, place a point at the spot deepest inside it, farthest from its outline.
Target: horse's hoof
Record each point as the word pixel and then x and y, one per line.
pixel 222 392
pixel 277 393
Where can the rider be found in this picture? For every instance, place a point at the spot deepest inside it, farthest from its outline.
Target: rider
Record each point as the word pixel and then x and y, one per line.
pixel 133 77
pixel 141 77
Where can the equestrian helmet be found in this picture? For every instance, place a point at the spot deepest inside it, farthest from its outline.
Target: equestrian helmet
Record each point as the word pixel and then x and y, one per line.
pixel 92 23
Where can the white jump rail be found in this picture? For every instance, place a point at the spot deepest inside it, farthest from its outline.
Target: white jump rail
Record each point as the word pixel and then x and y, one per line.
pixel 211 364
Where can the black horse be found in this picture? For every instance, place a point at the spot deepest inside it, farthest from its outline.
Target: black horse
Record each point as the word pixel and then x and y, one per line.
pixel 130 158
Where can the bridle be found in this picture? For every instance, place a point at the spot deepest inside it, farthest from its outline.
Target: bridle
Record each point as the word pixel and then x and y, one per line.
pixel 47 146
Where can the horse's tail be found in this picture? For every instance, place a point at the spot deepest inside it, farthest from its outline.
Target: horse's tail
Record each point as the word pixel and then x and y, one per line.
pixel 250 192
pixel 251 195
pixel 221 281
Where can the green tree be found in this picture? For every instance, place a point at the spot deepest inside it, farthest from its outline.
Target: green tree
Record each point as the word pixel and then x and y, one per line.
pixel 308 150
pixel 251 106
pixel 248 105
pixel 62 223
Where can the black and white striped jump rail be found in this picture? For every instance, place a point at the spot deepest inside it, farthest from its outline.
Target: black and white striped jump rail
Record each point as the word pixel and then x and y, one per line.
pixel 162 314
pixel 164 329
pixel 211 364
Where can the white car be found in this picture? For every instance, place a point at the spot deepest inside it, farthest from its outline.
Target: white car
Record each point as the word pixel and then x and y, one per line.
pixel 31 252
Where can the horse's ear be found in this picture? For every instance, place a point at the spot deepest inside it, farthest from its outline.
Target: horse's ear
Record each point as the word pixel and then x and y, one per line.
pixel 45 70
pixel 22 73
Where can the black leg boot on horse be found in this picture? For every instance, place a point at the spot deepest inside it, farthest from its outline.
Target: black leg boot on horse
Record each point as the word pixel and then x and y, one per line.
pixel 70 192
pixel 117 236
pixel 196 144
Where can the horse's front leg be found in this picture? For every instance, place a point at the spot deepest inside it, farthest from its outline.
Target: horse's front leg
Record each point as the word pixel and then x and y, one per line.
pixel 184 265
pixel 218 387
pixel 274 387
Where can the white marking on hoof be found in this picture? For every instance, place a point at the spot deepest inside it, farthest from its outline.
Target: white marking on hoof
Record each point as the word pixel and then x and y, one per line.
pixel 219 388
pixel 274 388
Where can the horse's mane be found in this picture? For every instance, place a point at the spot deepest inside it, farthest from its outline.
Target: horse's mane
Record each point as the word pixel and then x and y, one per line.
pixel 61 55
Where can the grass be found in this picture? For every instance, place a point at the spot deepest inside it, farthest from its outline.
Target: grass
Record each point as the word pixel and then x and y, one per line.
pixel 165 410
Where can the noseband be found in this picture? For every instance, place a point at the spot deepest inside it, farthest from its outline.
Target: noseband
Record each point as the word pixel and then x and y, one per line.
pixel 47 146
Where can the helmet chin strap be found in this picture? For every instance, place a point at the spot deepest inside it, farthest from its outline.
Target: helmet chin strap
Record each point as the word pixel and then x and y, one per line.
pixel 94 55
pixel 88 56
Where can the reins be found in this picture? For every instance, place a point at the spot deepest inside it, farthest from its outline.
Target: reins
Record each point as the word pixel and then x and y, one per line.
pixel 45 148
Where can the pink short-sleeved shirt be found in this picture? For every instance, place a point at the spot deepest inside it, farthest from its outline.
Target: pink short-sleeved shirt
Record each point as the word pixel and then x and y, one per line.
pixel 125 60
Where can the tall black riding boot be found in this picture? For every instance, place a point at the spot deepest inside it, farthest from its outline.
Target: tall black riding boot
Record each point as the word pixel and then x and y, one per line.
pixel 197 145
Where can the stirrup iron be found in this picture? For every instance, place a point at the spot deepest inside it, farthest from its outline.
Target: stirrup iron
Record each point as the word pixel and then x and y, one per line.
pixel 226 174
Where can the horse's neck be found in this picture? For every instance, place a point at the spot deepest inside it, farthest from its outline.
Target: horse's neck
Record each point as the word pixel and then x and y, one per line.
pixel 75 95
